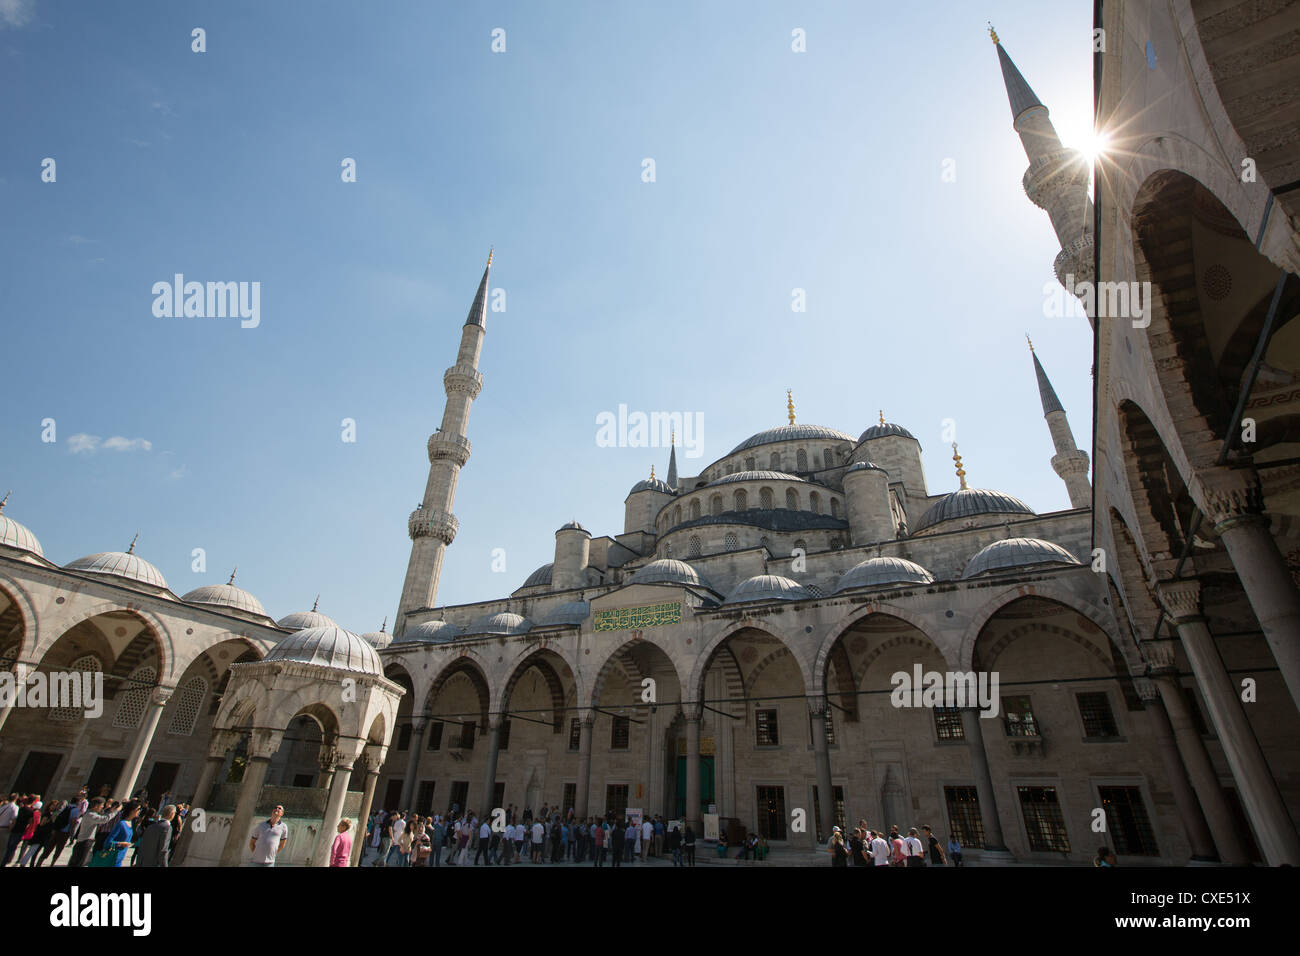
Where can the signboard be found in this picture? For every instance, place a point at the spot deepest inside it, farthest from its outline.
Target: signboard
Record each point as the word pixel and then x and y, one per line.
pixel 649 615
pixel 711 827
pixel 634 814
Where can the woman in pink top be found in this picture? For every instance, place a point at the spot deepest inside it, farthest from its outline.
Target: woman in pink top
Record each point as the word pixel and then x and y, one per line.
pixel 341 851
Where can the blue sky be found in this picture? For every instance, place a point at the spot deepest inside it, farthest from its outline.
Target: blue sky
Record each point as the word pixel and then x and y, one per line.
pixel 775 170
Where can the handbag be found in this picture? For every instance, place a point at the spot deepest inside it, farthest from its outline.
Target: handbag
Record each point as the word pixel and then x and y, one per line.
pixel 105 857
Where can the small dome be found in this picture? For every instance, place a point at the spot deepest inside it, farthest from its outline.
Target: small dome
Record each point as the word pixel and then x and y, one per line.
pixel 969 502
pixel 503 622
pixel 767 587
pixel 651 484
pixel 792 433
pixel 429 632
pixel 1012 553
pixel 570 613
pixel 863 466
pixel 539 577
pixel 301 620
pixel 884 430
pixel 378 639
pixel 573 526
pixel 120 564
pixel 328 647
pixel 226 595
pixel 876 572
pixel 755 476
pixel 668 571
pixel 14 535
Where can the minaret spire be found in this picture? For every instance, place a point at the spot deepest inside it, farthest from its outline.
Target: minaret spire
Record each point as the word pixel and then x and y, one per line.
pixel 672 458
pixel 1070 462
pixel 432 526
pixel 1057 178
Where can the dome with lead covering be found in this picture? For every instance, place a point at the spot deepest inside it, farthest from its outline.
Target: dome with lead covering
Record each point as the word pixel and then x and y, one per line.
pixel 877 572
pixel 1012 553
pixel 969 503
pixel 540 577
pixel 120 564
pixel 573 526
pixel 15 535
pixel 767 587
pixel 792 433
pixel 570 613
pixel 885 430
pixel 863 466
pixel 328 647
pixel 668 571
pixel 651 484
pixel 301 620
pixel 755 476
pixel 226 595
pixel 378 639
pixel 503 622
pixel 429 632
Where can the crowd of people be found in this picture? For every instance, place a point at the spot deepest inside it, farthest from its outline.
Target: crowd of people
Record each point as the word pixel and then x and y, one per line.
pixel 101 831
pixel 463 839
pixel 868 847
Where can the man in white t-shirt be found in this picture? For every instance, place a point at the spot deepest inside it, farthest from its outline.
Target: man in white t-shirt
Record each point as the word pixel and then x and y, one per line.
pixel 647 835
pixel 539 835
pixel 914 849
pixel 879 850
pixel 484 849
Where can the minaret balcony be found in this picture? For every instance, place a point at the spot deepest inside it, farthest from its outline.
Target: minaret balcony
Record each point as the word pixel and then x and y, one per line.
pixel 1075 260
pixel 1060 171
pixel 432 523
pixel 445 445
pixel 463 378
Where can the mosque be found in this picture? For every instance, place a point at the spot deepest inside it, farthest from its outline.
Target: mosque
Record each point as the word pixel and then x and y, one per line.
pixel 728 657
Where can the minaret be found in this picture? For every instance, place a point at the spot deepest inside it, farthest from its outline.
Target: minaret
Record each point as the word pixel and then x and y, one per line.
pixel 672 460
pixel 432 526
pixel 1057 178
pixel 1069 462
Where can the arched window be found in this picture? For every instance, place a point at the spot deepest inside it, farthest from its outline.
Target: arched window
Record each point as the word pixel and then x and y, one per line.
pixel 801 545
pixel 801 460
pixel 749 464
pixel 677 515
pixel 731 542
pixel 815 503
pixel 188 703
pixel 88 665
pixel 765 500
pixel 695 508
pixel 134 698
pixel 715 505
pixel 775 461
pixel 835 507
pixel 828 457
pixel 694 549
pixel 792 499
pixel 741 500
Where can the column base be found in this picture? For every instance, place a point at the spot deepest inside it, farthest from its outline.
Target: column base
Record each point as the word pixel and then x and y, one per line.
pixel 998 857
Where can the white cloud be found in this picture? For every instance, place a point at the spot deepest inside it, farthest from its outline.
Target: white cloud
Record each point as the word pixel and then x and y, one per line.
pixel 83 444
pixel 79 444
pixel 118 443
pixel 178 472
pixel 16 13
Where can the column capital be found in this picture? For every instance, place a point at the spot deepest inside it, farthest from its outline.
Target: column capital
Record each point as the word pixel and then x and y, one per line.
pixel 262 744
pixel 692 711
pixel 222 740
pixel 1146 689
pixel 1232 497
pixel 160 695
pixel 1181 600
pixel 1160 657
pixel 817 705
pixel 375 757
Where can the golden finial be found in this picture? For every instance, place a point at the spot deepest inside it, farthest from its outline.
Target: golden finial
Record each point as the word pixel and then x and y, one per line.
pixel 131 550
pixel 961 472
pixel 672 436
pixel 232 575
pixel 1030 341
pixel 993 33
pixel 4 499
pixel 652 469
pixel 316 603
pixel 882 416
pixel 789 405
pixel 490 251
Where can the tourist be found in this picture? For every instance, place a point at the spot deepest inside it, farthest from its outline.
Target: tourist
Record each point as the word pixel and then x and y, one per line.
pixel 954 850
pixel 688 844
pixel 437 837
pixel 598 834
pixel 913 848
pixel 557 840
pixel 462 841
pixel 857 848
pixel 539 834
pixel 674 842
pixel 268 839
pixel 936 851
pixel 385 838
pixel 56 837
pixel 647 838
pixel 839 855
pixel 155 839
pixel 8 814
pixel 120 837
pixel 83 835
pixel 880 850
pixel 631 840
pixel 33 827
pixel 484 844
pixel 617 842
pixel 898 852
pixel 658 847
pixel 1104 857
pixel 341 848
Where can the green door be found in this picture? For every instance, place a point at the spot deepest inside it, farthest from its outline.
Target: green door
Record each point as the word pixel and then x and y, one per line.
pixel 706 785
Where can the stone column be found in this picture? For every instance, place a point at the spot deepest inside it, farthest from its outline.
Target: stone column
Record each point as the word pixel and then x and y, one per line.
pixel 1189 811
pixel 1195 758
pixel 373 765
pixel 21 671
pixel 490 771
pixel 585 723
pixel 342 776
pixel 418 726
pixel 1235 503
pixel 995 847
pixel 221 740
pixel 261 748
pixel 821 753
pixel 144 736
pixel 692 716
pixel 1259 794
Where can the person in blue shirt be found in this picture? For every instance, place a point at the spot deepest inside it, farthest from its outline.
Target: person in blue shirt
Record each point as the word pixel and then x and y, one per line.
pixel 120 837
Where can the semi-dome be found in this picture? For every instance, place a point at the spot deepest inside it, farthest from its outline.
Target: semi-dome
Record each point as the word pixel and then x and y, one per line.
pixel 885 430
pixel 877 572
pixel 301 620
pixel 226 595
pixel 792 433
pixel 120 564
pixel 539 577
pixel 969 502
pixel 330 646
pixel 569 613
pixel 573 526
pixel 503 622
pixel 755 476
pixel 1016 553
pixel 15 535
pixel 651 484
pixel 767 587
pixel 668 571
pixel 378 639
pixel 429 632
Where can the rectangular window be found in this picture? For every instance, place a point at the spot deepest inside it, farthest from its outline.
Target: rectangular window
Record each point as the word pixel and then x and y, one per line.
pixel 424 797
pixel 1043 820
pixel 1098 720
pixel 619 733
pixel 964 821
pixel 467 735
pixel 460 795
pixel 434 733
pixel 616 799
pixel 771 812
pixel 575 734
pixel 830 728
pixel 404 737
pixel 948 725
pixel 570 797
pixel 1019 717
pixel 838 796
pixel 765 721
pixel 504 740
pixel 1126 816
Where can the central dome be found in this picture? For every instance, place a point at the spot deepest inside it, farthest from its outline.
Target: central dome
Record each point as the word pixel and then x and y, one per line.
pixel 328 647
pixel 668 571
pixel 792 433
pixel 755 476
